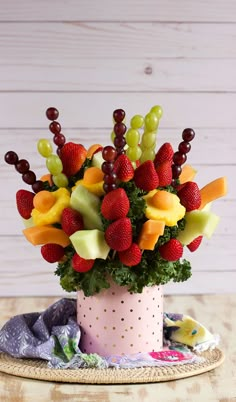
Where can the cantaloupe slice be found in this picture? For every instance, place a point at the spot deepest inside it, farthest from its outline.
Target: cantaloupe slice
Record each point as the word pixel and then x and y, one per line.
pixel 47 177
pixel 213 190
pixel 93 148
pixel 188 173
pixel 38 235
pixel 44 200
pixel 150 232
pixel 93 175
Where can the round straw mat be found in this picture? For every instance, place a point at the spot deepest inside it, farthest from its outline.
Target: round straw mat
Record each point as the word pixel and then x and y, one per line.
pixel 37 369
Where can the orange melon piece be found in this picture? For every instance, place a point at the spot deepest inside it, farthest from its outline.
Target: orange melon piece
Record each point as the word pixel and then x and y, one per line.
pixel 188 173
pixel 38 235
pixel 213 190
pixel 93 148
pixel 150 232
pixel 47 177
pixel 93 175
pixel 44 200
pixel 163 200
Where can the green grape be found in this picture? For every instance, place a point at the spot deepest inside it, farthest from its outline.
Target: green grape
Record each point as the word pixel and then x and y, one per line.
pixel 142 147
pixel 113 136
pixel 54 164
pixel 148 139
pixel 147 154
pixel 44 147
pixel 151 121
pixel 134 153
pixel 137 121
pixel 157 110
pixel 153 147
pixel 132 137
pixel 60 180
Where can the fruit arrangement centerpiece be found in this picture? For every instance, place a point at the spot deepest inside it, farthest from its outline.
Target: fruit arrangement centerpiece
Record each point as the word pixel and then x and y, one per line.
pixel 124 211
pixel 116 219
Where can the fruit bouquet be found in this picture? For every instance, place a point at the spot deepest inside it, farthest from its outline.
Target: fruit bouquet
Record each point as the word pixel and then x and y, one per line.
pixel 123 212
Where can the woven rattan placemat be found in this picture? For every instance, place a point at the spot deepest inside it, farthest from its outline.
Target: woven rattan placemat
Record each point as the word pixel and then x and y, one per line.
pixel 37 369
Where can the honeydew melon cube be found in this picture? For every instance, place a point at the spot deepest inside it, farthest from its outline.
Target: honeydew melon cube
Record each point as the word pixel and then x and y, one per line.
pixel 88 204
pixel 97 160
pixel 28 223
pixel 198 223
pixel 90 244
pixel 207 207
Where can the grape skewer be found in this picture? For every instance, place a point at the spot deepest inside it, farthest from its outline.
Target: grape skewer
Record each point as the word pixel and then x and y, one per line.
pixel 59 139
pixel 22 166
pixel 180 157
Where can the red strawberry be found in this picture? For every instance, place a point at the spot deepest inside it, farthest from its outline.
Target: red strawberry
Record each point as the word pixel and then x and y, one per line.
pixel 115 204
pixel 79 264
pixel 165 153
pixel 172 250
pixel 118 235
pixel 164 172
pixel 72 156
pixel 24 203
pixel 195 243
pixel 132 256
pixel 71 221
pixel 146 177
pixel 123 168
pixel 180 186
pixel 52 252
pixel 190 196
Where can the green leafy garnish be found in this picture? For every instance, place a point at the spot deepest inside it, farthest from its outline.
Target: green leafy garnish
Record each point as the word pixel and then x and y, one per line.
pixel 152 270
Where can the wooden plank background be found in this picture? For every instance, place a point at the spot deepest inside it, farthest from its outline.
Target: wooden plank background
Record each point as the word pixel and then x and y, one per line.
pixel 88 58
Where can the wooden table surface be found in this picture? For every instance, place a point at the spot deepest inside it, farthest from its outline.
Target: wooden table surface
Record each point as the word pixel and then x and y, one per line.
pixel 217 312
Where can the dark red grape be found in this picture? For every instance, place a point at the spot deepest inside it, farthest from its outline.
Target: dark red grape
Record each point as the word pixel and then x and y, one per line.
pixel 110 178
pixel 119 129
pixel 188 134
pixel 184 147
pixel 11 158
pixel 173 182
pixel 29 177
pixel 176 170
pixel 52 113
pixel 119 115
pixel 38 186
pixel 119 142
pixel 55 127
pixel 120 151
pixel 109 153
pixel 179 158
pixel 59 139
pixel 109 187
pixel 59 151
pixel 107 167
pixel 22 166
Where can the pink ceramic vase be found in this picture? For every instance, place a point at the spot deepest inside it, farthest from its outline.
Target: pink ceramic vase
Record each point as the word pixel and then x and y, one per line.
pixel 117 322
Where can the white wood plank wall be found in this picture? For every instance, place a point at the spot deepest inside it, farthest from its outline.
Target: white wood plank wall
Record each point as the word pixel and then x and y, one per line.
pixel 88 57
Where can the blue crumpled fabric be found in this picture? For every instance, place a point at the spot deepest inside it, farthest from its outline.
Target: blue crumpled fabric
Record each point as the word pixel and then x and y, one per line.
pixel 54 335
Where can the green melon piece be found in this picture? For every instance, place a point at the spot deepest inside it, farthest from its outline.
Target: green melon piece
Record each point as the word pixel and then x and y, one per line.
pixel 198 223
pixel 90 244
pixel 88 205
pixel 97 160
pixel 28 223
